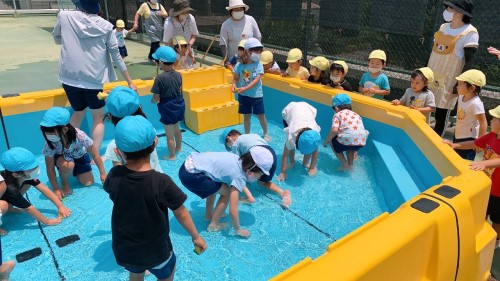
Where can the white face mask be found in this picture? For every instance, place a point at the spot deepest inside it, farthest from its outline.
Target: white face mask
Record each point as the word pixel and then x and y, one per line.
pixel 335 79
pixel 183 17
pixel 448 16
pixel 375 69
pixel 238 15
pixel 53 138
pixel 255 57
pixel 34 174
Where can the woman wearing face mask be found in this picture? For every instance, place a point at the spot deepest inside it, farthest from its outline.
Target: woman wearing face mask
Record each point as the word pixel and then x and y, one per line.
pixel 154 15
pixel 181 23
pixel 455 44
pixel 21 172
pixel 237 27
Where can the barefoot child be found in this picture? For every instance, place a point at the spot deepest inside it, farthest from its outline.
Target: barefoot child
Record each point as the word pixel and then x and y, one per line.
pixel 302 133
pixel 348 133
pixel 67 148
pixel 167 94
pixel 141 198
pixel 240 144
pixel 210 173
pixel 21 172
pixel 374 82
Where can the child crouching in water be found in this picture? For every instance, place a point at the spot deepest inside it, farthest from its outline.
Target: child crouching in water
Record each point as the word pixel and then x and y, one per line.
pixel 348 133
pixel 418 96
pixel 21 172
pixel 167 94
pixel 141 198
pixel 67 148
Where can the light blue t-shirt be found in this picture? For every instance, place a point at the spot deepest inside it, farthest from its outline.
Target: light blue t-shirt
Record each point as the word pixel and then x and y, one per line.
pixel 247 73
pixel 379 83
pixel 244 142
pixel 222 167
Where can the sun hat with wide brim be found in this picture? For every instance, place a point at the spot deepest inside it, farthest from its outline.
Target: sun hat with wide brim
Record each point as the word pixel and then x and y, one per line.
pixel 462 6
pixel 233 4
pixel 180 7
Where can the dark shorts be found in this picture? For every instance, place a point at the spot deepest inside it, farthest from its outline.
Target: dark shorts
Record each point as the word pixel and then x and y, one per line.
pixel 494 209
pixel 339 148
pixel 162 273
pixel 123 51
pixel 264 177
pixel 285 124
pixel 250 105
pixel 82 98
pixel 172 110
pixel 468 154
pixel 82 164
pixel 198 183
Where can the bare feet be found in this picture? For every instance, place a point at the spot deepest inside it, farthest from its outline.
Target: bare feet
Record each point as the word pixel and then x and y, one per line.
pixel 216 227
pixel 286 199
pixel 244 233
pixel 267 137
pixel 312 172
pixel 248 200
pixel 5 270
pixel 66 190
pixel 3 232
pixel 170 158
pixel 282 177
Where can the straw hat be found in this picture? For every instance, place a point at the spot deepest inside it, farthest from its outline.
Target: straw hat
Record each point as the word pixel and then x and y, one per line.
pixel 233 4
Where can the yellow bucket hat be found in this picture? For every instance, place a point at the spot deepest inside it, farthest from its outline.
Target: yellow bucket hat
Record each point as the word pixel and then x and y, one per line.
pixel 495 112
pixel 321 63
pixel 294 55
pixel 180 40
pixel 474 77
pixel 428 73
pixel 120 23
pixel 242 44
pixel 343 64
pixel 266 57
pixel 378 54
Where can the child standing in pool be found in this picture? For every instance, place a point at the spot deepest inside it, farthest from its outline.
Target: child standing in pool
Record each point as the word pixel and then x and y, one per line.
pixel 67 148
pixel 141 198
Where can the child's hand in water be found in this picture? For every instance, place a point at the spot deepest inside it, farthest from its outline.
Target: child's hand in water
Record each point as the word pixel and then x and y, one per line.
pixel 54 221
pixel 58 194
pixel 200 244
pixel 63 212
pixel 282 177
pixel 103 177
pixel 243 233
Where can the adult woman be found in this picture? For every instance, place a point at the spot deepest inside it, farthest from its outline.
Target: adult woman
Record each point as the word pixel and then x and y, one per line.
pixel 181 23
pixel 455 44
pixel 154 14
pixel 237 27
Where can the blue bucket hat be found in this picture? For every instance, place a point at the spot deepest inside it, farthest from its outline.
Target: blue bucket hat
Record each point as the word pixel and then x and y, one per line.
pixel 223 136
pixel 56 116
pixel 165 54
pixel 18 159
pixel 309 141
pixel 341 99
pixel 89 6
pixel 134 133
pixel 122 101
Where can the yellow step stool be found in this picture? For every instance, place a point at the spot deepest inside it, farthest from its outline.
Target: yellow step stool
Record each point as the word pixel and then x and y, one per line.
pixel 203 119
pixel 203 77
pixel 201 97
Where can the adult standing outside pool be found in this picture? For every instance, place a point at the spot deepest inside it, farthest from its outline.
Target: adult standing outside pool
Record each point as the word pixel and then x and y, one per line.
pixel 181 23
pixel 154 15
pixel 453 51
pixel 87 46
pixel 237 27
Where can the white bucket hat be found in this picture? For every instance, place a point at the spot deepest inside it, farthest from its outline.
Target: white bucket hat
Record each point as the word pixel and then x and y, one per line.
pixel 233 4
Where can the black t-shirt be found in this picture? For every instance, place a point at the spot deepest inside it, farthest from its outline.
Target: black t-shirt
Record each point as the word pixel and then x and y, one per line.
pixel 323 79
pixel 14 195
pixel 344 84
pixel 139 221
pixel 168 85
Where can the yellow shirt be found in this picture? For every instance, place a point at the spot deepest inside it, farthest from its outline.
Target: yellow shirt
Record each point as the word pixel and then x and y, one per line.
pixel 302 73
pixel 144 9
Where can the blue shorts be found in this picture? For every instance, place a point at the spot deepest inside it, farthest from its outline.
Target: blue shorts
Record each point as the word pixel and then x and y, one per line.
pixel 171 110
pixel 198 183
pixel 82 164
pixel 339 148
pixel 468 154
pixel 123 51
pixel 82 98
pixel 250 105
pixel 162 273
pixel 264 177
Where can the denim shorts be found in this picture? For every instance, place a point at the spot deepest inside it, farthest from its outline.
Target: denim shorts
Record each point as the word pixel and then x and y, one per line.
pixel 250 105
pixel 198 183
pixel 123 51
pixel 82 164
pixel 82 98
pixel 339 148
pixel 162 271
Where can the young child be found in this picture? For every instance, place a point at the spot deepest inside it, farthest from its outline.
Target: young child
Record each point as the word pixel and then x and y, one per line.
pixel 5 267
pixel 302 133
pixel 167 94
pixel 318 68
pixel 121 33
pixel 490 144
pixel 67 148
pixel 237 57
pixel 338 72
pixel 122 102
pixel 418 96
pixel 471 120
pixel 182 61
pixel 209 173
pixel 247 83
pixel 270 65
pixel 141 198
pixel 348 133
pixel 240 144
pixel 375 82
pixel 21 172
pixel 295 68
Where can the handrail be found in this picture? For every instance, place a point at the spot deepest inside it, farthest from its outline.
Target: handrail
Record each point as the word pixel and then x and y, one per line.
pixel 210 45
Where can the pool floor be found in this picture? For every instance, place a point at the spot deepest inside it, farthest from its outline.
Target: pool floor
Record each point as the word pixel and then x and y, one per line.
pixel 324 208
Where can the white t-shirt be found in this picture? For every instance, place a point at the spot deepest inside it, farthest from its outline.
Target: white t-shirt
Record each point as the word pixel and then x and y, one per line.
pixel 120 36
pixel 298 115
pixel 469 40
pixel 186 29
pixel 234 31
pixel 111 155
pixel 467 125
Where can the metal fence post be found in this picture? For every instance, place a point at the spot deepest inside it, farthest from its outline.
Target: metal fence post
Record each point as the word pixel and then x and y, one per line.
pixel 106 9
pixel 15 7
pixel 306 33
